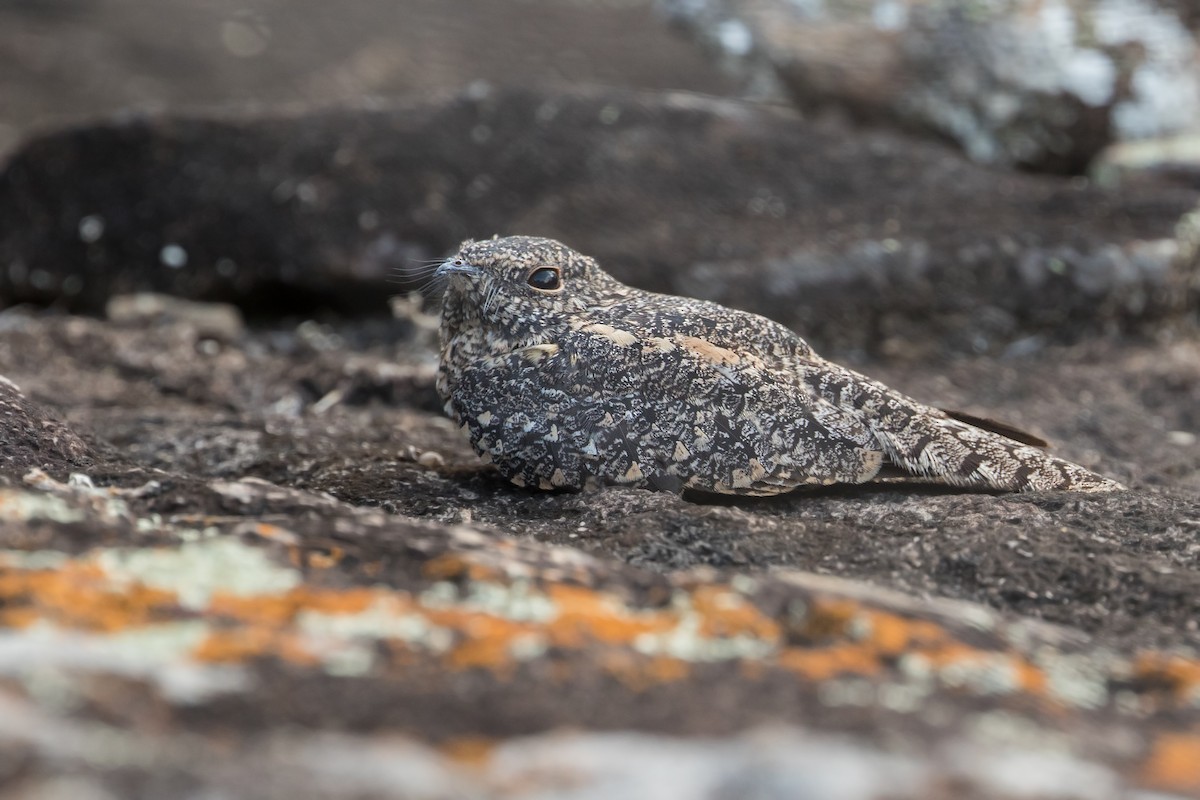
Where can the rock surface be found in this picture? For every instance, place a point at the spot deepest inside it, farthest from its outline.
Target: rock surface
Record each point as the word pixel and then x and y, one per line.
pixel 31 438
pixel 865 242
pixel 283 550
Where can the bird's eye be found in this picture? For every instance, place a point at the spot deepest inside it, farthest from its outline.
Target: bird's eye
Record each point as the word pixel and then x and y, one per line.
pixel 546 279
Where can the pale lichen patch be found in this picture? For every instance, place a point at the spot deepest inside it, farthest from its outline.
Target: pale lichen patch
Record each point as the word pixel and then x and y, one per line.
pixel 21 506
pixel 196 570
pixel 33 559
pixel 386 618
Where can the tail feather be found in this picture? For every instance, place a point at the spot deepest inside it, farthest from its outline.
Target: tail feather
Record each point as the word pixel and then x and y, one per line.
pixel 963 455
pixel 995 426
pixel 951 447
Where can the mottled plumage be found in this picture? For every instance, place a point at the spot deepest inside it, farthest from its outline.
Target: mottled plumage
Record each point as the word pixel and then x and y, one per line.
pixel 565 377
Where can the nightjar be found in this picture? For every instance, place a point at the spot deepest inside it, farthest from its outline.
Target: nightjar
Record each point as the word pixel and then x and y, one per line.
pixel 565 377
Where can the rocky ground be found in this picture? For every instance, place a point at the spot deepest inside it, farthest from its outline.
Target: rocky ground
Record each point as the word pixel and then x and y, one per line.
pixel 242 553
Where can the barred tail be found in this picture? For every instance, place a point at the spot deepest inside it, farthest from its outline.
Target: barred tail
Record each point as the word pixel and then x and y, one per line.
pixel 935 446
pixel 951 447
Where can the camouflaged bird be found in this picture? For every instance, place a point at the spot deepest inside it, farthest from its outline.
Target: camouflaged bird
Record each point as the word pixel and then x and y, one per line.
pixel 565 377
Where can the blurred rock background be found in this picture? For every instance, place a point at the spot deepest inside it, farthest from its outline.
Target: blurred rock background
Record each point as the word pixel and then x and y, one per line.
pixel 851 220
pixel 75 60
pixel 1040 84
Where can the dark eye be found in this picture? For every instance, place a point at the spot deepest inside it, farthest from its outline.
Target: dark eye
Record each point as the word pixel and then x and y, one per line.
pixel 545 278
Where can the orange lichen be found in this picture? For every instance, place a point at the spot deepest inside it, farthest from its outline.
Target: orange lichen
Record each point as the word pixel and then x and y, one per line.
pixel 469 751
pixel 827 619
pixel 843 637
pixel 252 641
pixel 834 636
pixel 1179 676
pixel 454 566
pixel 18 617
pixel 584 614
pixel 893 635
pixel 77 596
pixel 445 567
pixel 725 613
pixel 1031 679
pixel 282 609
pixel 486 640
pixel 1173 763
pixel 822 664
pixel 641 673
pixel 268 531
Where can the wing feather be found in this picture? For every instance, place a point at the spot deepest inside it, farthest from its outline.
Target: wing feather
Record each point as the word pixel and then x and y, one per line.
pixel 597 407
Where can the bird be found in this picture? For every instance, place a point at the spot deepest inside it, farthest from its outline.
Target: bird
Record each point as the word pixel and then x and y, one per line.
pixel 566 378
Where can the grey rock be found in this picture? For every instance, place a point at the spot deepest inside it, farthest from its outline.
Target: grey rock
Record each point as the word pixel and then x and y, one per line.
pixel 1043 85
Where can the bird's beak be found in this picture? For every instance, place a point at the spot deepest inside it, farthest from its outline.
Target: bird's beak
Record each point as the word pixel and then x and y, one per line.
pixel 455 266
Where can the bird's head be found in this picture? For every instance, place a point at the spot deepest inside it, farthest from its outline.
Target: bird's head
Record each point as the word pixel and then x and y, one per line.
pixel 521 283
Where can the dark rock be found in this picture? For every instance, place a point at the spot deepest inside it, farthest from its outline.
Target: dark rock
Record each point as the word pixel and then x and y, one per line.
pixel 33 438
pixel 862 241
